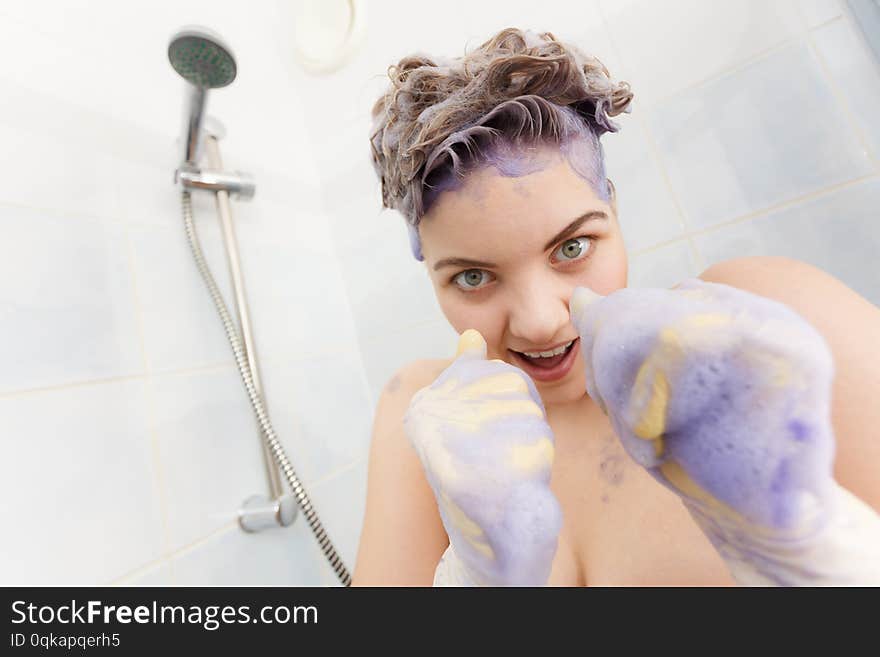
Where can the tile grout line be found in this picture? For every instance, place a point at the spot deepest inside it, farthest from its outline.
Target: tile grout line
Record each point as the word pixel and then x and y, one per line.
pixel 138 306
pixel 170 556
pixel 159 471
pixel 731 69
pixel 648 135
pixel 62 213
pixel 320 481
pixel 152 374
pixel 365 384
pixel 757 214
pixel 840 97
pixel 422 323
pixel 149 397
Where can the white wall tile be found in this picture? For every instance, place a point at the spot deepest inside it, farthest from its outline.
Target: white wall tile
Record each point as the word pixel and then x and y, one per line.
pixel 838 232
pixel 645 206
pixel 210 450
pixel 663 267
pixel 87 135
pixel 62 50
pixel 148 195
pixel 297 295
pixel 668 46
pixel 340 502
pixel 767 133
pixel 856 74
pixel 383 355
pixel 182 329
pixel 80 499
pixel 44 172
pixel 43 63
pixel 321 409
pixel 66 300
pixel 353 202
pixel 157 575
pixel 817 12
pixel 282 556
pixel 385 283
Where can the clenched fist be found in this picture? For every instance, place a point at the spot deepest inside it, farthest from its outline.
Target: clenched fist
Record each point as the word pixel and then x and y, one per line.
pixel 481 433
pixel 725 398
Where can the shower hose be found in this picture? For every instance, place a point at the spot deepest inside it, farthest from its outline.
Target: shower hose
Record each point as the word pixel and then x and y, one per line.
pixel 259 410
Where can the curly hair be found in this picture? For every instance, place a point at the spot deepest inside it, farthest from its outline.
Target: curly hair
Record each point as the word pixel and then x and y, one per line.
pixel 440 118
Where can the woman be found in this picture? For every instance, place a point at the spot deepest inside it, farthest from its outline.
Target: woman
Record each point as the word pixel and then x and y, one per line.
pixel 495 162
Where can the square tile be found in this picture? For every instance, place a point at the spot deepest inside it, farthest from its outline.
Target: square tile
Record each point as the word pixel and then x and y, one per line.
pixel 298 300
pixel 817 12
pixel 210 450
pixel 385 354
pixel 856 74
pixel 386 284
pixel 838 233
pixel 645 207
pixel 321 409
pixel 669 46
pixel 762 135
pixel 663 267
pixel 72 180
pixel 182 328
pixel 81 491
pixel 340 502
pixel 67 303
pixel 282 556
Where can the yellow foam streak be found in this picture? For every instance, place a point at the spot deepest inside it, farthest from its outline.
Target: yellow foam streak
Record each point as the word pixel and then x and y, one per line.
pixel 530 458
pixel 652 423
pixel 469 529
pixel 677 477
pixel 496 384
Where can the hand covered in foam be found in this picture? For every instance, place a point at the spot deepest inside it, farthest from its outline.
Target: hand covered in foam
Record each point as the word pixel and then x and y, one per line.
pixel 481 433
pixel 724 396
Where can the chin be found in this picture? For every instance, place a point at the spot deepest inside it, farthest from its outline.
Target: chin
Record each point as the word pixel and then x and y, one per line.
pixel 559 394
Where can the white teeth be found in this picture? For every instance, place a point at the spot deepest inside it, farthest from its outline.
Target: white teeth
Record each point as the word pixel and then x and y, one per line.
pixel 547 354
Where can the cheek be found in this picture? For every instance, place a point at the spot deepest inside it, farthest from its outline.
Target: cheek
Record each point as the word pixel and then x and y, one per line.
pixel 463 315
pixel 608 271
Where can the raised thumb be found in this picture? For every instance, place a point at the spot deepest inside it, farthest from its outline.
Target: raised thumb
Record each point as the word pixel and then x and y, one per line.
pixel 581 298
pixel 471 345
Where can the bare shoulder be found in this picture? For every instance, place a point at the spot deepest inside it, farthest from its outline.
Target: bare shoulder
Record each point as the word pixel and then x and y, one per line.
pixel 402 537
pixel 850 324
pixel 794 282
pixel 413 376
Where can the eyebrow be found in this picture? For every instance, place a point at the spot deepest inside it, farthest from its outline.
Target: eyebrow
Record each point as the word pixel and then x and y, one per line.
pixel 565 232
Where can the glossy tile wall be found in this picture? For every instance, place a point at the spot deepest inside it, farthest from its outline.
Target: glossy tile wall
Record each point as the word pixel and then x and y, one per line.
pixel 128 441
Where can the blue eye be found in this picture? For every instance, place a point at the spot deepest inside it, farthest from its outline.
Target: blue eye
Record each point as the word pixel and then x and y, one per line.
pixel 473 276
pixel 573 249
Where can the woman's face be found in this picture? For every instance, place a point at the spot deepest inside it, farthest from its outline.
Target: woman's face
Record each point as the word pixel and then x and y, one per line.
pixel 505 253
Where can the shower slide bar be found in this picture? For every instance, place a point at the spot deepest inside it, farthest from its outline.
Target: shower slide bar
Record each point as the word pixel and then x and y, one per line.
pixel 280 508
pixel 201 57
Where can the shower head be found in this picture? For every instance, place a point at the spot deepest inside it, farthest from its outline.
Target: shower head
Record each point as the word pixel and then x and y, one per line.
pixel 201 57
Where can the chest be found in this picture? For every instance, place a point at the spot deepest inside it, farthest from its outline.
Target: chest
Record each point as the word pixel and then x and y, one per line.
pixel 621 527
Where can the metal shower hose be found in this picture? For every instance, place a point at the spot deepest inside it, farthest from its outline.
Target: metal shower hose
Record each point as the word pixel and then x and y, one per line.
pixel 265 425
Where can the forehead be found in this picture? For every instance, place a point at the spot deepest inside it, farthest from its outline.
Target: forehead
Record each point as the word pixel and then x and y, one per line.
pixel 490 207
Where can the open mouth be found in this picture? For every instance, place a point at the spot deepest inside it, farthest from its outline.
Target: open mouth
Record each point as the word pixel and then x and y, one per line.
pixel 548 368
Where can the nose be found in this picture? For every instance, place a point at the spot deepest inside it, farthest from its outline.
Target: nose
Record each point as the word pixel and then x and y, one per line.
pixel 539 312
